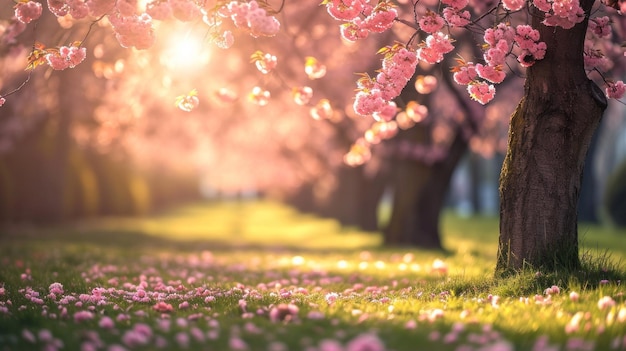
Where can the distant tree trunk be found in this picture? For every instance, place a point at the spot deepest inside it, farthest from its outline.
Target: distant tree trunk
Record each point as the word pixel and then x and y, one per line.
pixel 549 136
pixel 354 200
pixel 419 192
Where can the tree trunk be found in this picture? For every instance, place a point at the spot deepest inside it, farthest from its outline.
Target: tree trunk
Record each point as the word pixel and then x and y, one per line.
pixel 549 137
pixel 419 192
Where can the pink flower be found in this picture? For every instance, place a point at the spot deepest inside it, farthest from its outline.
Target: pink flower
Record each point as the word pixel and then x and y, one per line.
pixel 81 316
pixel 249 16
pixel 162 306
pixel 365 342
pixel 502 31
pixel 66 57
pixel 573 296
pixel 354 30
pixel 29 336
pixel 159 10
pixel 133 30
pixel 386 113
pixel 2 101
pixel 494 74
pixel 344 10
pixel 431 22
pixel 435 46
pixel 455 17
pixel 481 92
pixel 27 12
pixel 381 20
pixel 574 324
pixel 528 58
pixel 330 345
pixel 606 302
pixel 331 297
pixel 513 5
pixel 225 41
pixel 496 56
pixel 106 322
pixel 265 63
pixel 182 339
pixel 600 26
pixel 465 74
pixel 237 344
pixel 564 14
pixel 615 90
pixel 283 312
pixel 184 10
pixel 526 36
pixel 56 288
pixel 552 290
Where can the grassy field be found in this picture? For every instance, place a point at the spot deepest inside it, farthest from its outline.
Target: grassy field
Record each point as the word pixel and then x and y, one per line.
pixel 260 276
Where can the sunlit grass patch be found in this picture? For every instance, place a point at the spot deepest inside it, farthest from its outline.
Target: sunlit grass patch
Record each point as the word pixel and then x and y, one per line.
pixel 260 276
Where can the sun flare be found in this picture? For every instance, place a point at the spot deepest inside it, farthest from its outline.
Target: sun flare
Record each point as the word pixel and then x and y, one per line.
pixel 185 51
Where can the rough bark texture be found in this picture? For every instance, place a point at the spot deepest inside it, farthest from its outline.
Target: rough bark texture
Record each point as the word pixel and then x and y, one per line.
pixel 549 137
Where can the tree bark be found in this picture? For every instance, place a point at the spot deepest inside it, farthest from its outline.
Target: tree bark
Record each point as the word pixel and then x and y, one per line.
pixel 549 136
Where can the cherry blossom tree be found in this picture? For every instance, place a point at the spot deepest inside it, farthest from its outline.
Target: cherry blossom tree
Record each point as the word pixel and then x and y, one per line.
pixel 563 48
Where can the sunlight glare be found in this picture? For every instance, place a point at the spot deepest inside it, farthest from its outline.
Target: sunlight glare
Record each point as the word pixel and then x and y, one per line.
pixel 186 51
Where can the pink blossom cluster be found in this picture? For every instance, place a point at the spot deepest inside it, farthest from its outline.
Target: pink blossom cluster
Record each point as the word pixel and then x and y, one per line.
pixel 562 13
pixel 264 62
pixel 361 18
pixel 28 11
pixel 499 43
pixel 455 14
pixel 10 32
pixel 375 95
pixel 159 10
pixel 615 90
pixel 434 48
pixel 467 73
pixel 431 22
pixel 76 8
pixel 600 27
pixel 126 7
pixel 98 8
pixel 527 38
pixel 598 31
pixel 66 57
pixel 251 17
pixel 513 5
pixel 133 31
pixel 184 10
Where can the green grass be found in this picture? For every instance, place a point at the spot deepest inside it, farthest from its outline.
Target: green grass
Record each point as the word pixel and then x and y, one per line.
pixel 264 255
